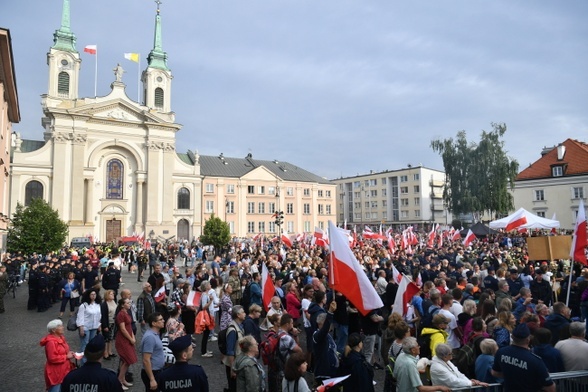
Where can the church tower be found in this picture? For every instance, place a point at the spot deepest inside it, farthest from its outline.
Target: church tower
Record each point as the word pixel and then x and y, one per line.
pixel 157 77
pixel 64 60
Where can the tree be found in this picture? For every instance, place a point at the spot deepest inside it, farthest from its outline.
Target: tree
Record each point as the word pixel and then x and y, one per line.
pixel 36 228
pixel 216 232
pixel 477 175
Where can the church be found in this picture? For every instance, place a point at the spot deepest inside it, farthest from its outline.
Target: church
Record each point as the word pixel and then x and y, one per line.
pixel 109 164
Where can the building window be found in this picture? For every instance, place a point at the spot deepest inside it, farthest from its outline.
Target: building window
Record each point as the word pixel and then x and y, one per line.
pixel 384 192
pixel 404 190
pixel 357 195
pixel 231 227
pixel 33 190
pixel 367 215
pixel 357 205
pixel 374 204
pixel 417 201
pixel 539 195
pixel 578 192
pixel 541 214
pixel 328 207
pixel 328 193
pixel 271 190
pixel 63 85
pixel 158 98
pixel 209 206
pixel 366 182
pixel 321 209
pixel 320 193
pixel 306 192
pixel 403 178
pixel 306 208
pixel 272 227
pixel 384 181
pixel 289 208
pixel 230 207
pixel 272 208
pixel 230 188
pixel 289 191
pixel 374 193
pixel 374 215
pixel 114 179
pixel 261 190
pixel 251 207
pixel 321 225
pixel 417 213
pixel 403 214
pixel 384 203
pixel 367 204
pixel 250 190
pixel 417 188
pixel 209 188
pixel 416 176
pixel 374 182
pixel 356 184
pixel 357 215
pixel 367 193
pixel 261 208
pixel 290 226
pixel 261 227
pixel 557 171
pixel 404 202
pixel 385 215
pixel 251 227
pixel 183 199
pixel 307 226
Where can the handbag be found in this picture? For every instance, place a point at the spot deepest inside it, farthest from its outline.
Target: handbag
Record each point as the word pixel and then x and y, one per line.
pixel 74 294
pixel 72 321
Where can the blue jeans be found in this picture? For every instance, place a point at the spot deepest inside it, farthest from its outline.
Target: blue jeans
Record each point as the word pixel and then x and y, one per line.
pixel 86 339
pixel 55 388
pixel 342 335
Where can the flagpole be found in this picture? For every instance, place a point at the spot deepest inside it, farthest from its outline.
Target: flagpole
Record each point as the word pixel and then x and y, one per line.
pixel 96 74
pixel 139 80
pixel 570 282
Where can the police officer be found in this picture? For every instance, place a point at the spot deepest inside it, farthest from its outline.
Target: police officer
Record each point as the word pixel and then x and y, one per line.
pixel 183 376
pixel 515 284
pixel 490 281
pixel 111 279
pixel 91 376
pixel 521 369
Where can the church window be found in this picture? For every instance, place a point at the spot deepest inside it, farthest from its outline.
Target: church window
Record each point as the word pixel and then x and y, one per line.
pixel 114 179
pixel 63 84
pixel 183 199
pixel 159 98
pixel 33 190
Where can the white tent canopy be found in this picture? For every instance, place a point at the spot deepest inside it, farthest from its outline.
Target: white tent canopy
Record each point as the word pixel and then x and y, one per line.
pixel 533 221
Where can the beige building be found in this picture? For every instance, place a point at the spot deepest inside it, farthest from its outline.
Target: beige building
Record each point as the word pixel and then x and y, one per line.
pixel 410 196
pixel 247 193
pixel 555 183
pixel 9 114
pixel 109 165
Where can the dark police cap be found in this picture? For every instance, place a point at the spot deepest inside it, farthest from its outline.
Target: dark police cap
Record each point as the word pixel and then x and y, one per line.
pixel 180 344
pixel 521 331
pixel 96 345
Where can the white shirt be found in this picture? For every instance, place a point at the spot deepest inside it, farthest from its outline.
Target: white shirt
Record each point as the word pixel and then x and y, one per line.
pixel 445 373
pixel 452 339
pixel 456 308
pixel 89 316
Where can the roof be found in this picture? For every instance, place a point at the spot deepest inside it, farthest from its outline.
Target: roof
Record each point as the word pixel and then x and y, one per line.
pixel 31 145
pixel 221 166
pixel 386 172
pixel 575 161
pixel 8 76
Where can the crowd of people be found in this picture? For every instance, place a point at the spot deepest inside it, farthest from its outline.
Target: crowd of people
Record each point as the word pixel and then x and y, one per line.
pixel 481 313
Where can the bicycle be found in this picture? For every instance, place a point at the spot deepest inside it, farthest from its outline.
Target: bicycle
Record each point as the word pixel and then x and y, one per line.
pixel 13 283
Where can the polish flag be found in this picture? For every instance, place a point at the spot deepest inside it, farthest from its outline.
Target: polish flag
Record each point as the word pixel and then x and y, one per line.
pixel 391 244
pixel 456 236
pixel 419 281
pixel 347 276
pixel 194 298
pixel 470 237
pixel 160 295
pixel 396 275
pixel 268 290
pixel 432 235
pixel 319 237
pixel 92 49
pixel 368 233
pixel 441 240
pixel 518 219
pixel 406 290
pixel 579 243
pixel 286 241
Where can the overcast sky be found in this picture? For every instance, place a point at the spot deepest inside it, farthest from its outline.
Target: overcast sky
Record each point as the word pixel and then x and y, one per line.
pixel 336 87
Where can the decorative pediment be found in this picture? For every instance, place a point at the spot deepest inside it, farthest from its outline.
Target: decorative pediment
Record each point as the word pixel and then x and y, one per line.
pixel 260 173
pixel 118 110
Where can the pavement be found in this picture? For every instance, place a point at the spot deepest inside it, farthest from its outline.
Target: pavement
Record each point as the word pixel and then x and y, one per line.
pixel 22 359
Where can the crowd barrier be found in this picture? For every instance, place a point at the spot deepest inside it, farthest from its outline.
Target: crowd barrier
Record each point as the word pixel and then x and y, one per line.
pixel 576 381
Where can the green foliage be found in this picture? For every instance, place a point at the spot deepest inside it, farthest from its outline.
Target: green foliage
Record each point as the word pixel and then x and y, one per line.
pixel 215 232
pixel 36 228
pixel 478 175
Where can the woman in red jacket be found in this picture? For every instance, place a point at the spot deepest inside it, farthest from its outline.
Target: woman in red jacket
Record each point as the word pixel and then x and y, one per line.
pixel 293 304
pixel 58 356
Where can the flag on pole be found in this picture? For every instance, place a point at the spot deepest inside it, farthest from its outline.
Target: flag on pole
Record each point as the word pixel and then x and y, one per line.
pixel 406 290
pixel 132 56
pixel 286 241
pixel 347 276
pixel 194 298
pixel 456 235
pixel 518 219
pixel 92 49
pixel 578 250
pixel 419 281
pixel 396 275
pixel 469 238
pixel 268 290
pixel 160 295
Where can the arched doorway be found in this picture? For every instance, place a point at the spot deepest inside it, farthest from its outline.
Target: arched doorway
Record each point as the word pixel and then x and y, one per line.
pixel 183 230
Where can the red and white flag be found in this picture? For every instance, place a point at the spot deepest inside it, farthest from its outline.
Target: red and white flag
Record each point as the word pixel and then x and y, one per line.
pixel 396 275
pixel 518 219
pixel 286 240
pixel 160 295
pixel 456 236
pixel 268 290
pixel 432 235
pixel 92 49
pixel 319 237
pixel 347 276
pixel 419 281
pixel 469 238
pixel 194 298
pixel 406 290
pixel 368 233
pixel 578 251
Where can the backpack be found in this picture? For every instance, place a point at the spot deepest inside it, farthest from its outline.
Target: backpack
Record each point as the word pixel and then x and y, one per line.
pixel 246 298
pixel 464 359
pixel 72 324
pixel 222 339
pixel 269 350
pixel 424 342
pixel 427 321
pixel 389 380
